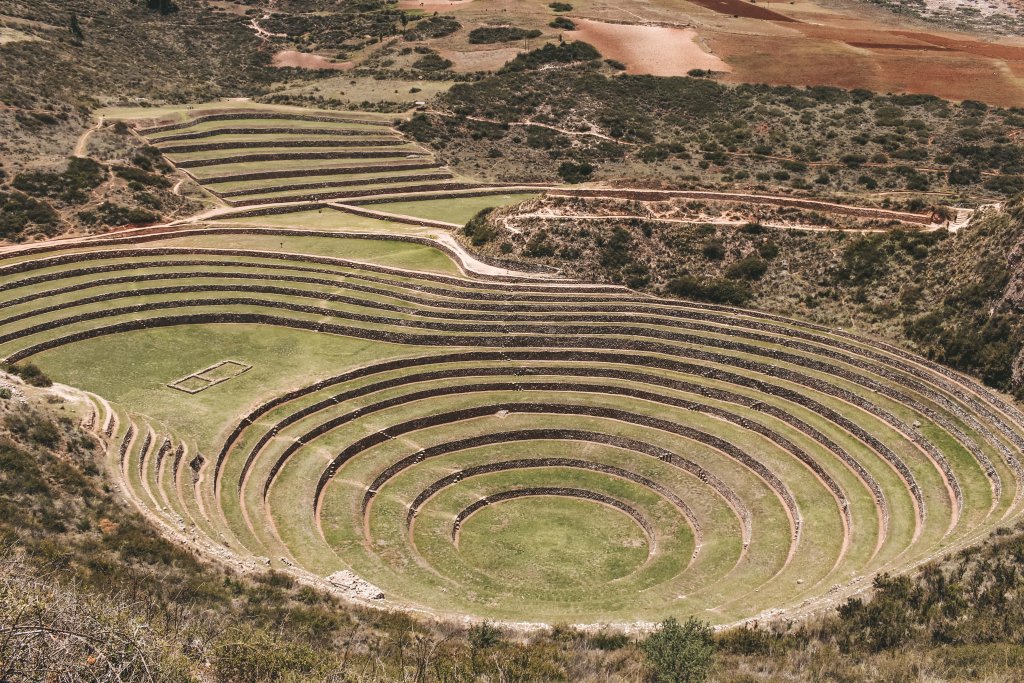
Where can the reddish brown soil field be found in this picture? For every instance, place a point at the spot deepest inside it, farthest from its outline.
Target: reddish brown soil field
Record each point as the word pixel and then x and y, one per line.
pixel 861 55
pixel 739 8
pixel 648 50
pixel 896 46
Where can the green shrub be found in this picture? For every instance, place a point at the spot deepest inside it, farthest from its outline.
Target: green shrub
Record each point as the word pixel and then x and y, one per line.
pixel 768 250
pixel 19 472
pixel 747 641
pixel 560 6
pixel 1007 184
pixel 615 252
pixel 110 214
pixel 72 186
pixel 484 635
pixel 248 655
pixel 853 160
pixel 715 291
pixel 713 250
pixel 868 182
pixel 501 34
pixel 478 230
pixel 136 175
pixel 608 640
pixel 539 246
pixel 563 23
pixel 432 62
pixel 433 27
pixel 748 268
pixel 963 175
pixel 575 171
pixel 31 373
pixel 21 214
pixel 564 53
pixel 615 64
pixel 680 653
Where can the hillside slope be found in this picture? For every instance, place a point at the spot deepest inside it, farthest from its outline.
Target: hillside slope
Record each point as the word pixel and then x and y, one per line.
pixel 956 298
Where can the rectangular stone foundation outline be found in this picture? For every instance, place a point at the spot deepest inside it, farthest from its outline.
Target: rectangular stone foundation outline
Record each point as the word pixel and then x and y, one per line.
pixel 180 384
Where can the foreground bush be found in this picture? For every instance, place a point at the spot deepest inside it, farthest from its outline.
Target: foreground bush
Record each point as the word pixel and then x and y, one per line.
pixel 680 653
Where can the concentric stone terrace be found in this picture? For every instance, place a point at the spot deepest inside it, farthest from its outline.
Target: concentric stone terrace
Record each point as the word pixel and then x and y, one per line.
pixel 511 449
pixel 277 160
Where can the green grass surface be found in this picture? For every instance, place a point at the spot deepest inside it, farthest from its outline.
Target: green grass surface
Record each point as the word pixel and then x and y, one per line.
pixel 383 252
pixel 382 188
pixel 269 148
pixel 552 541
pixel 258 185
pixel 232 168
pixel 453 210
pixel 281 359
pixel 322 219
pixel 368 129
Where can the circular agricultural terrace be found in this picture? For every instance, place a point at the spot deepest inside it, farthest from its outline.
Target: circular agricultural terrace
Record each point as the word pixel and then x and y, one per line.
pixel 533 451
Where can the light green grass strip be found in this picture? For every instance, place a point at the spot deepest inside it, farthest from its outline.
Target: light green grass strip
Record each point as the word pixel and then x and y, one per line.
pixel 454 210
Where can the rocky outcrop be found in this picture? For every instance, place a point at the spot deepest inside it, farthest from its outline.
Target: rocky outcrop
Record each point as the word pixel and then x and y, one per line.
pixel 353 586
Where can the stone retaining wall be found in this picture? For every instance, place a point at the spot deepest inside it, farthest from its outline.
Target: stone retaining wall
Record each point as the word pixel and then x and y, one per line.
pixel 257 115
pixel 259 144
pixel 312 172
pixel 554 491
pixel 572 463
pixel 353 194
pixel 335 183
pixel 582 331
pixel 496 189
pixel 297 156
pixel 126 443
pixel 440 419
pixel 143 452
pixel 269 130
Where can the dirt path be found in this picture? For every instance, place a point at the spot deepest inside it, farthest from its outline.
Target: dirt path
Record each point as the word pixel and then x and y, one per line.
pixel 648 195
pixel 262 33
pixel 524 124
pixel 693 221
pixel 83 140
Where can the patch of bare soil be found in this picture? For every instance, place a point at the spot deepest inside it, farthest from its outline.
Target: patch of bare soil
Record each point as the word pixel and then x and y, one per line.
pixel 895 46
pixel 229 7
pixel 649 50
pixel 432 5
pixel 468 61
pixel 305 60
pixel 11 35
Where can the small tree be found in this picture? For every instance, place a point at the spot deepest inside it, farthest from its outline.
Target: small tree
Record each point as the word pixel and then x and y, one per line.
pixel 575 172
pixel 76 28
pixel 680 653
